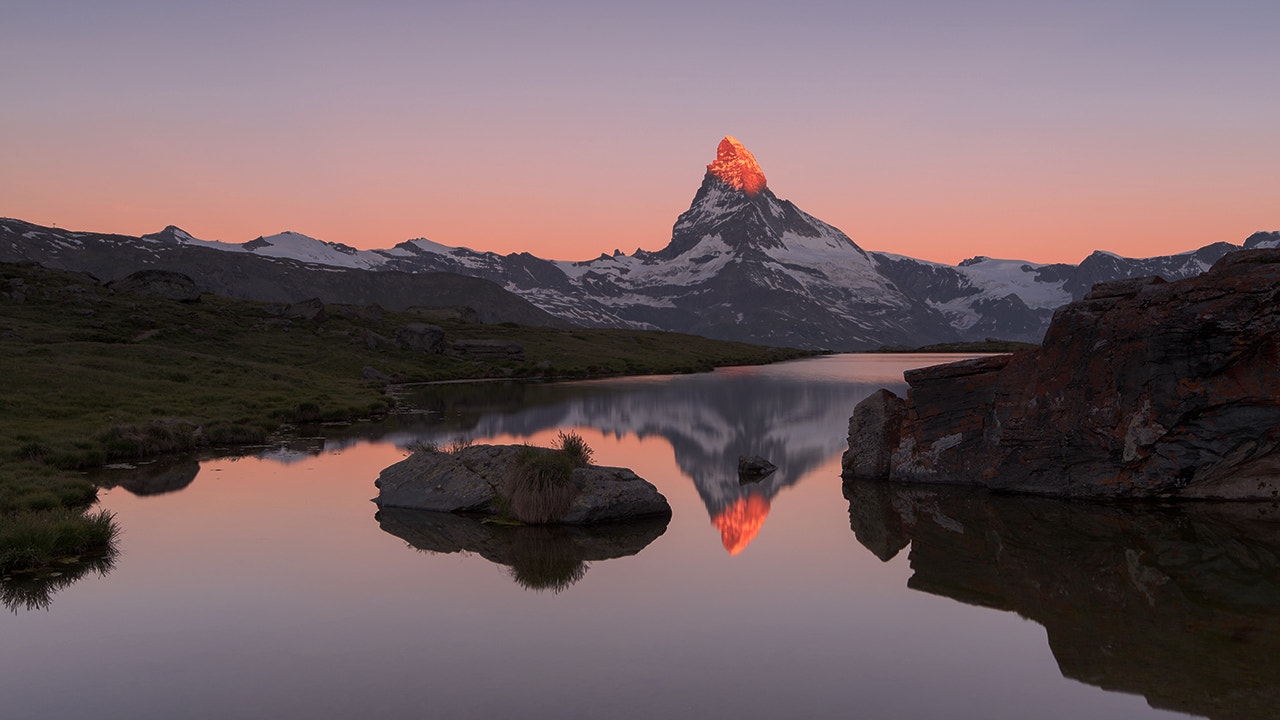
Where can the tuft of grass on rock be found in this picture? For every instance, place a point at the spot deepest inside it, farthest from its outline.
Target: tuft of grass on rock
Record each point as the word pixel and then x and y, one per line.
pixel 572 444
pixel 423 446
pixel 539 488
pixel 458 445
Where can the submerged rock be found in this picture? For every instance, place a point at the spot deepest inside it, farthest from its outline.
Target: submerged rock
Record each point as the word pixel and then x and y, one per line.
pixel 1141 389
pixel 470 480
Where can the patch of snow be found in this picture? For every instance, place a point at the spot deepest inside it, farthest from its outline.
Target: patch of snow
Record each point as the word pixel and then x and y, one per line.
pixel 997 278
pixel 296 246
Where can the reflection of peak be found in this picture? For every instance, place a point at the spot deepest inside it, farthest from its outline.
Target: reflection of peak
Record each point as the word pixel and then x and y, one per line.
pixel 740 521
pixel 737 167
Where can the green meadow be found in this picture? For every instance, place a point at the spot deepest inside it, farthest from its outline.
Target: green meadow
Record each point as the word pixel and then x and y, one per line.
pixel 92 376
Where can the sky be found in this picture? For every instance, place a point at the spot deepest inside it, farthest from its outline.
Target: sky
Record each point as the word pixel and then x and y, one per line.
pixel 936 129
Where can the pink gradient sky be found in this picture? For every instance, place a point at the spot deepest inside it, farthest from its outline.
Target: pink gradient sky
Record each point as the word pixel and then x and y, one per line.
pixel 940 130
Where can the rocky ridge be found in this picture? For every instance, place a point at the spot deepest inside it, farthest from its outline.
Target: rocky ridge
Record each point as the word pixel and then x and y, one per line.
pixel 1142 389
pixel 741 264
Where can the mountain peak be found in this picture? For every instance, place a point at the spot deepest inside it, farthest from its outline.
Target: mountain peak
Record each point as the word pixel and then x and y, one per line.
pixel 737 167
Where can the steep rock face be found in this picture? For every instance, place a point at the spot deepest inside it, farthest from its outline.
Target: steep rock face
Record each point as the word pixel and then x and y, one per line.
pixel 1141 389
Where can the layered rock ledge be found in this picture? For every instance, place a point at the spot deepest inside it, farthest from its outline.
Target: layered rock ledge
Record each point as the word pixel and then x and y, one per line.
pixel 470 480
pixel 1142 389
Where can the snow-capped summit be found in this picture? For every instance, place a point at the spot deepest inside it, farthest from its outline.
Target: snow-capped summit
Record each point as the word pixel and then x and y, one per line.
pixel 297 246
pixel 171 233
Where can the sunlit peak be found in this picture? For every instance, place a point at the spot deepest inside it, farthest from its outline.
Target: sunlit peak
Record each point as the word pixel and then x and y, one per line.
pixel 740 522
pixel 737 166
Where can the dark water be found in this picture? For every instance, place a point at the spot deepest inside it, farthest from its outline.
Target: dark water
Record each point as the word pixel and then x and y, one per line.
pixel 269 587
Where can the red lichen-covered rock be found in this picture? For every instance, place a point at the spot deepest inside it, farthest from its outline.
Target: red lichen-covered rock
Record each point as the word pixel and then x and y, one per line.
pixel 1142 389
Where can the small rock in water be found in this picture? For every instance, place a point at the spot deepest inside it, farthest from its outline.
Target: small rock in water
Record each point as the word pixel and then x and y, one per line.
pixel 754 468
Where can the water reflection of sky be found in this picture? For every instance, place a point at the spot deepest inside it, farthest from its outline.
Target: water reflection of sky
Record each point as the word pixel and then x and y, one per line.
pixel 268 589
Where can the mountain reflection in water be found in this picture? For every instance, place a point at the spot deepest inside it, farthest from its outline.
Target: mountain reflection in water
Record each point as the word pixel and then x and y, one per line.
pixel 794 420
pixel 1178 604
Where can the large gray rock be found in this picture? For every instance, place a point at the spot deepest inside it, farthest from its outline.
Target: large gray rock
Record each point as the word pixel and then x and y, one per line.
pixel 421 336
pixel 312 309
pixel 470 479
pixel 159 283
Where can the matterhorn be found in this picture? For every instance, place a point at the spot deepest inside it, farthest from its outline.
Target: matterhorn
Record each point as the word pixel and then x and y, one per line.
pixel 741 264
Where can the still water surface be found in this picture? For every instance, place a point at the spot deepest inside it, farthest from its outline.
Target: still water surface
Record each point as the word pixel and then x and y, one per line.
pixel 267 587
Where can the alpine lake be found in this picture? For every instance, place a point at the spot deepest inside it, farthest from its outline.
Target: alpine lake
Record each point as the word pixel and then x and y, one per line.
pixel 269 586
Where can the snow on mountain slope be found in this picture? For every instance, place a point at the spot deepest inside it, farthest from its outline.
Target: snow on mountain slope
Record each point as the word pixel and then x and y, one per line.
pixel 290 245
pixel 743 264
pixel 308 249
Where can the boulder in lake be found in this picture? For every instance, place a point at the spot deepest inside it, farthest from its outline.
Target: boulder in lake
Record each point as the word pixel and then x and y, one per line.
pixel 1142 389
pixel 471 480
pixel 754 468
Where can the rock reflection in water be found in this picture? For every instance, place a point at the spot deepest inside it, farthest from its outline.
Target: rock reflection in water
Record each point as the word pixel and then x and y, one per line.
pixel 1179 604
pixel 539 557
pixel 157 478
pixel 35 590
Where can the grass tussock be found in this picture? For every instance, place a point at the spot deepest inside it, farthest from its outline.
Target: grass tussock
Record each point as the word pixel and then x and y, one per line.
pixel 572 444
pixel 149 440
pixel 539 488
pixel 458 445
pixel 38 539
pixel 424 446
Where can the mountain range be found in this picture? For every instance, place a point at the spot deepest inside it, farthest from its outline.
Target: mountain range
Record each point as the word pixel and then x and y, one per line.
pixel 742 264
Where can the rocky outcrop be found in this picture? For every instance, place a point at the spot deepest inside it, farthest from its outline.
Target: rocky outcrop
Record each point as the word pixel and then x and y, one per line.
pixel 469 480
pixel 159 283
pixel 421 336
pixel 312 309
pixel 1142 389
pixel 489 349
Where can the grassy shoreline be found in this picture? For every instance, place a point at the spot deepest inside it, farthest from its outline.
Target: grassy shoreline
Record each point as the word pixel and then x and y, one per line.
pixel 93 376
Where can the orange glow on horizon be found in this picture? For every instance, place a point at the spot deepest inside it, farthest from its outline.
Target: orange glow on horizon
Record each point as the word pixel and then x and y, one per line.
pixel 740 522
pixel 737 166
